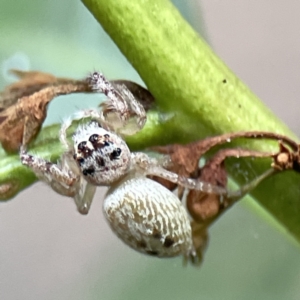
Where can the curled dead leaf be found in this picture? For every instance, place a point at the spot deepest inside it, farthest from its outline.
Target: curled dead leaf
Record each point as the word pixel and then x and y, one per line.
pixel 23 105
pixel 21 122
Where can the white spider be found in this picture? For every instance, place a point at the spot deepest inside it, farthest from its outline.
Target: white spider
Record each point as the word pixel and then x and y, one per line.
pixel 143 213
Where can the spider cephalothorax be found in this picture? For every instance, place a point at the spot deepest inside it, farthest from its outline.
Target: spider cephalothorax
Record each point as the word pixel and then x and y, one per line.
pixel 102 156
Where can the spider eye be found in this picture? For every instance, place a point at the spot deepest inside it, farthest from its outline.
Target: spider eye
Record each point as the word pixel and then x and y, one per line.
pixel 80 160
pixel 115 154
pixel 81 146
pixel 94 138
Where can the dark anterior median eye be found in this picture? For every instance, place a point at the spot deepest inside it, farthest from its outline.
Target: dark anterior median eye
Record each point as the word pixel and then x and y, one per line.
pixel 94 138
pixel 81 146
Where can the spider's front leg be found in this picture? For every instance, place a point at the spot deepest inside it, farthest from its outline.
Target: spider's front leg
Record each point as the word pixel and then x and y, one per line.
pixel 121 112
pixel 64 178
pixel 155 167
pixel 59 176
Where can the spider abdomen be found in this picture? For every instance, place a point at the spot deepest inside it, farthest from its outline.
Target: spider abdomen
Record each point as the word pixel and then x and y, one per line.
pixel 149 218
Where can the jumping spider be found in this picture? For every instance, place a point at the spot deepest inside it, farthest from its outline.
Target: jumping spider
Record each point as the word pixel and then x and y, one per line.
pixel 143 213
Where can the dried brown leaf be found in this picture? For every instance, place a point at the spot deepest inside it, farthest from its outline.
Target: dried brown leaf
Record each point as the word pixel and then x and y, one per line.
pixel 29 83
pixel 203 206
pixel 21 122
pixel 206 207
pixel 200 238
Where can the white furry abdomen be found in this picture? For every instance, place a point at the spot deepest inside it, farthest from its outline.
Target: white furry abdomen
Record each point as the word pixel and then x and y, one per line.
pixel 148 217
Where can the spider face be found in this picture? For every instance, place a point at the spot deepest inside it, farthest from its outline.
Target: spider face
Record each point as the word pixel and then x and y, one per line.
pixel 101 156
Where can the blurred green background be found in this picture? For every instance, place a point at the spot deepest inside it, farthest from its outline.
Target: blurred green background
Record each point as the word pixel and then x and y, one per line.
pixel 49 251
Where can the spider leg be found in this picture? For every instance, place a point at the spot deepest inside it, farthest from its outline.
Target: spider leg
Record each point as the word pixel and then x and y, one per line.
pixel 152 166
pixel 59 176
pixel 64 178
pixel 245 189
pixel 121 111
pixel 189 183
pixel 135 114
pixel 63 132
pixel 84 200
pixel 87 113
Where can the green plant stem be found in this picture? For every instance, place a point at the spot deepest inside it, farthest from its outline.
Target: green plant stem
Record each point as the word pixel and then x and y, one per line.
pixel 197 94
